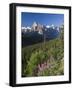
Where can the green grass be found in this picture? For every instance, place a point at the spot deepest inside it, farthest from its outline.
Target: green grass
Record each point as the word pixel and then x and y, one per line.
pixel 35 54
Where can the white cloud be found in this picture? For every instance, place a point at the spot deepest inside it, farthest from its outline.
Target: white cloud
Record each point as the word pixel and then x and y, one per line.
pixel 28 28
pixel 47 26
pixel 24 28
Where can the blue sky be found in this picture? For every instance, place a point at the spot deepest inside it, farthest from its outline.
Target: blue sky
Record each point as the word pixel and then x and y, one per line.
pixel 27 19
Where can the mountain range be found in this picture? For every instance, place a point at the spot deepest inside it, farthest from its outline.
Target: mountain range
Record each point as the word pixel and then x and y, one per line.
pixel 39 28
pixel 37 33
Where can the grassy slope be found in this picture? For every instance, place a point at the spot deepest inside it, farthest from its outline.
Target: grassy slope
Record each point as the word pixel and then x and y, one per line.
pixel 34 54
